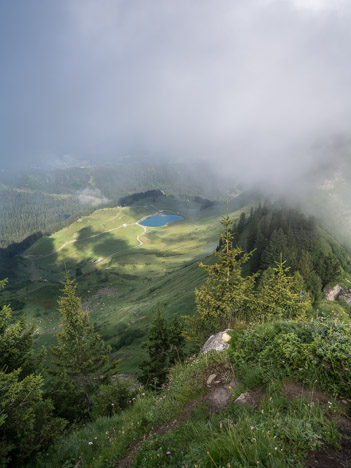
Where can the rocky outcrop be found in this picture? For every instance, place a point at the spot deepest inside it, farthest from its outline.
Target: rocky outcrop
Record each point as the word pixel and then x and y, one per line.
pixel 346 295
pixel 337 292
pixel 332 294
pixel 218 342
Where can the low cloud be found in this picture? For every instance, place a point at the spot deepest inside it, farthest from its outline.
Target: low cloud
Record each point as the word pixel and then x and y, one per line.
pixel 259 88
pixel 91 197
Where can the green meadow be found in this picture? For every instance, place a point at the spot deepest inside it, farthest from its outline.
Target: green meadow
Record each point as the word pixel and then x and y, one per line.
pixel 123 270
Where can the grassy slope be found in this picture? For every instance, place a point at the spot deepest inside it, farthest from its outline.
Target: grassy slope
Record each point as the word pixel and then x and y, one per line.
pixel 177 428
pixel 164 269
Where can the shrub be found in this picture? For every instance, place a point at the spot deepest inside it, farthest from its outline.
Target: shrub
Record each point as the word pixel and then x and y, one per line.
pixel 312 352
pixel 111 398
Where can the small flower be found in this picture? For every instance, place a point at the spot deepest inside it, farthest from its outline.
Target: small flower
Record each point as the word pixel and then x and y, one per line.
pixel 347 355
pixel 168 452
pixel 90 443
pixel 311 403
pixel 252 427
pixel 112 404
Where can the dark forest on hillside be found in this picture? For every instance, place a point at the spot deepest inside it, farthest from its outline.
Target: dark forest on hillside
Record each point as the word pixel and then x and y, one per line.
pixel 271 230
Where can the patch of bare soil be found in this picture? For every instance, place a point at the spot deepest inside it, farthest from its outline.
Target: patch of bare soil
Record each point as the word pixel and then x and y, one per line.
pixel 105 292
pixel 251 398
pixel 327 457
pixel 293 390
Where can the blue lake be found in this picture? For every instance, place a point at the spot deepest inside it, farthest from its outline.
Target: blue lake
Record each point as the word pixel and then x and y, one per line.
pixel 160 220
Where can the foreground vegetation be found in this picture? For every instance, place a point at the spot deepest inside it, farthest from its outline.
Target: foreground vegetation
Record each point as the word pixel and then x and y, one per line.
pixel 178 428
pixel 283 337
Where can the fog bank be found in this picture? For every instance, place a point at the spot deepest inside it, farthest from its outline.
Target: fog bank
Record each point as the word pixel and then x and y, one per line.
pixel 258 88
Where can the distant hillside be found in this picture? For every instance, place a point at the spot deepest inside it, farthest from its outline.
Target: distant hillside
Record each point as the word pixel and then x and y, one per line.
pixel 271 230
pixel 130 199
pixel 40 200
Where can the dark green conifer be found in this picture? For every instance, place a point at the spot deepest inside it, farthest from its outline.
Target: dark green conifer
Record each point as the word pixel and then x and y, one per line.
pixel 26 422
pixel 164 347
pixel 226 296
pixel 81 360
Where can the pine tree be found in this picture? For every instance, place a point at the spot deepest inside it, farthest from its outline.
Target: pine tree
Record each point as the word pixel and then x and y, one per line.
pixel 26 422
pixel 281 296
pixel 164 347
pixel 16 350
pixel 81 358
pixel 277 245
pixel 328 268
pixel 226 296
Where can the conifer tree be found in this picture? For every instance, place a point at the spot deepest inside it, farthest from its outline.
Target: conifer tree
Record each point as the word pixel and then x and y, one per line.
pixel 16 350
pixel 26 422
pixel 81 359
pixel 165 347
pixel 281 296
pixel 226 295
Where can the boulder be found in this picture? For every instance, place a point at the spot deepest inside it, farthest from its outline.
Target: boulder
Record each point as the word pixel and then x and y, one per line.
pixel 346 295
pixel 333 293
pixel 218 342
pixel 219 398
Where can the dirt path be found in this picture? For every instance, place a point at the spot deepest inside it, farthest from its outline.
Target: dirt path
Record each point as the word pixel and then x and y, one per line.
pixel 215 400
pixel 138 236
pixel 325 457
pixel 127 462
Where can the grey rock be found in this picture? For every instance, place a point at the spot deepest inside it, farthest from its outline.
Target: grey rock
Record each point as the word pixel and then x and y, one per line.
pixel 219 398
pixel 346 295
pixel 242 399
pixel 333 293
pixel 218 342
pixel 211 378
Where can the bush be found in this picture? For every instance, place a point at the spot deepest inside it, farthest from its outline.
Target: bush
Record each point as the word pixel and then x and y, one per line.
pixel 111 399
pixel 313 352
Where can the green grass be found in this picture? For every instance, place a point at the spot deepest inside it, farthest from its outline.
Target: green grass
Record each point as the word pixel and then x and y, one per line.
pixel 163 270
pixel 278 433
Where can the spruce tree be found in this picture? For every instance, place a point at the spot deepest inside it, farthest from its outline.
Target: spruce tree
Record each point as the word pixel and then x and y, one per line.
pixel 26 422
pixel 16 343
pixel 81 359
pixel 281 296
pixel 226 296
pixel 164 347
